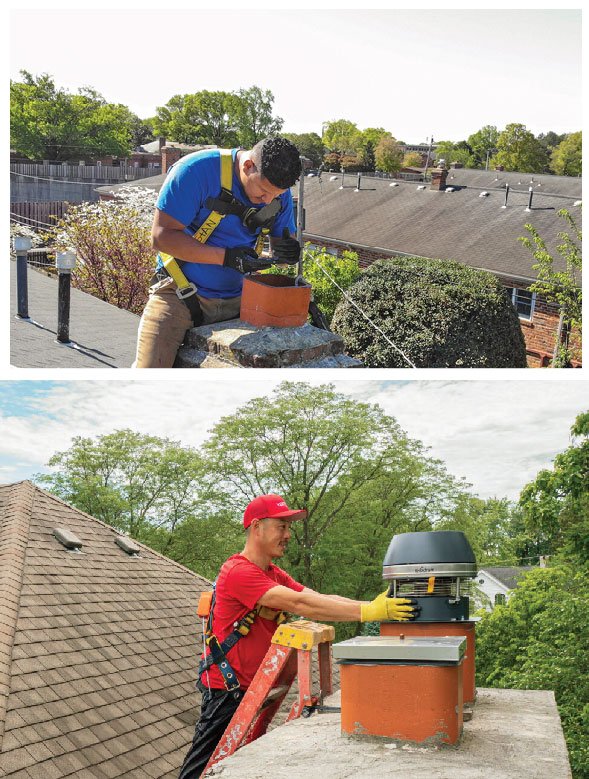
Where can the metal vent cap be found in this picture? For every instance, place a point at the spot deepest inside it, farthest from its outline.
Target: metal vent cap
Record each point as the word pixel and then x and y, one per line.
pixel 432 553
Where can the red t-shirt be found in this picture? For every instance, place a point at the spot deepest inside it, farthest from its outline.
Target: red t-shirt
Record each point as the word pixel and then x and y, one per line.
pixel 240 585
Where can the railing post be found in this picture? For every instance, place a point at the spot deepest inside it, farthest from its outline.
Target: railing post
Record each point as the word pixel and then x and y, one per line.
pixel 22 244
pixel 65 263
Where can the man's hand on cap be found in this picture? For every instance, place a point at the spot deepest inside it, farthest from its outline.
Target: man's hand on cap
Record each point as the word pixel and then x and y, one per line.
pixel 244 259
pixel 286 250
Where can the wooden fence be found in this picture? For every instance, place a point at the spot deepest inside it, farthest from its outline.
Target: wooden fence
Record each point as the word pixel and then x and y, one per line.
pixel 38 215
pixel 105 173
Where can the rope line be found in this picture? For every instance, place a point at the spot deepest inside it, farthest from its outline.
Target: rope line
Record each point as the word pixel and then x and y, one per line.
pixel 349 299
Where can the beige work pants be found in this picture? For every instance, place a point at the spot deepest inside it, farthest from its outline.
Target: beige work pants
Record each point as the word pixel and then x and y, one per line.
pixel 166 319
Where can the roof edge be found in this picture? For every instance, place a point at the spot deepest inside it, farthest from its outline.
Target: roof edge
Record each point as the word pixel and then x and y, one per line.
pixel 14 536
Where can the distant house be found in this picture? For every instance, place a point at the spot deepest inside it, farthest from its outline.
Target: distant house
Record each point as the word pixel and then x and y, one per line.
pixel 98 647
pixel 497 584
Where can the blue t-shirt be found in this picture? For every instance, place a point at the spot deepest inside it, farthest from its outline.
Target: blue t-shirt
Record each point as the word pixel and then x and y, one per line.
pixel 189 183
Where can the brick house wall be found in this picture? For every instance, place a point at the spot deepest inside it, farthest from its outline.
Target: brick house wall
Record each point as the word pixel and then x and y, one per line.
pixel 539 333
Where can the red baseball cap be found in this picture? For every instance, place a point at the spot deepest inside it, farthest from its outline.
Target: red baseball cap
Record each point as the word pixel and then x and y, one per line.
pixel 266 506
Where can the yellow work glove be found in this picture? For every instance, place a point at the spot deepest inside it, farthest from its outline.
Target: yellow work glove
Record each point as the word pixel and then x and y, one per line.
pixel 382 609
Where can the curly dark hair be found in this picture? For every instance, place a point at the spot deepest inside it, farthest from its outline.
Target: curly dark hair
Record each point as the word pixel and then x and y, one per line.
pixel 278 160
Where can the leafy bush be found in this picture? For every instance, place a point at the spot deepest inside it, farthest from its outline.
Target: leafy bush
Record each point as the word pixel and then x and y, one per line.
pixel 540 641
pixel 344 270
pixel 439 313
pixel 113 243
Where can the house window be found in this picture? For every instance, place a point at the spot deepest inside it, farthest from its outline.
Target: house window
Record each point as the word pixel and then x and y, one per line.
pixel 523 301
pixel 500 599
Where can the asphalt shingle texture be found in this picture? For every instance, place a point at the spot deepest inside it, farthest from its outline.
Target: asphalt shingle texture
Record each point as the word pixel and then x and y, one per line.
pixel 104 336
pixel 98 650
pixel 458 225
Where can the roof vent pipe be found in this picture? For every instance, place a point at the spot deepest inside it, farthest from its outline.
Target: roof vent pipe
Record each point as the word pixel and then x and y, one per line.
pixel 506 196
pixel 67 539
pixel 531 191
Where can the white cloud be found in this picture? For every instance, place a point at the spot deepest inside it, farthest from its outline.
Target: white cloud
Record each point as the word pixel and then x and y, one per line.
pixel 496 434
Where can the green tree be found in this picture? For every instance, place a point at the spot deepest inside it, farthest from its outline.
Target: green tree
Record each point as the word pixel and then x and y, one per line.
pixel 369 140
pixel 556 504
pixel 540 641
pixel 388 155
pixel 455 152
pixel 200 118
pixel 483 143
pixel 413 159
pixel 342 136
pixel 566 158
pixel 310 145
pixel 519 150
pixel 150 488
pixel 49 123
pixel 561 287
pixel 254 119
pixel 320 450
pixel 488 525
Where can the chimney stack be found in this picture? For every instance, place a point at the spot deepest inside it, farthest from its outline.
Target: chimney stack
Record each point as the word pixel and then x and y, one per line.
pixel 170 155
pixel 439 176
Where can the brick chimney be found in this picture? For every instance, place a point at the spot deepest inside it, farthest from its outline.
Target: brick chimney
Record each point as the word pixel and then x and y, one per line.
pixel 170 155
pixel 161 142
pixel 439 176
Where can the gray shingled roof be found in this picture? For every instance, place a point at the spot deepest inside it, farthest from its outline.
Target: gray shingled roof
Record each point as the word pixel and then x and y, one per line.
pixel 457 225
pixel 509 576
pixel 98 650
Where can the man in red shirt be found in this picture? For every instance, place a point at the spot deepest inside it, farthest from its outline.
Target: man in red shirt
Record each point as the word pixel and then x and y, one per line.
pixel 249 581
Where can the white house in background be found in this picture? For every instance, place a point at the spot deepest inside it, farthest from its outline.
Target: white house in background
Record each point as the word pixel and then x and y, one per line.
pixel 496 584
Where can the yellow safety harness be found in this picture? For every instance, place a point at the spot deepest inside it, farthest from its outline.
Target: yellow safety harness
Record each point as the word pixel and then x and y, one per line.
pixel 225 204
pixel 218 650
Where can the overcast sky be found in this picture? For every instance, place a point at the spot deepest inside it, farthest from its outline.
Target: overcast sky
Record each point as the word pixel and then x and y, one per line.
pixel 414 72
pixel 496 434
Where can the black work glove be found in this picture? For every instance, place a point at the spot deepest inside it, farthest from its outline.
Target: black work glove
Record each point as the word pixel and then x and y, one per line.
pixel 244 259
pixel 286 249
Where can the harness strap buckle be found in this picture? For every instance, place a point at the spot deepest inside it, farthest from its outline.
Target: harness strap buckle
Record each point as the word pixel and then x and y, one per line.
pixel 187 291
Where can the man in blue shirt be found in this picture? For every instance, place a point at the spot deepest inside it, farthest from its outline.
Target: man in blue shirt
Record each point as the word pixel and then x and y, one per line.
pixel 261 183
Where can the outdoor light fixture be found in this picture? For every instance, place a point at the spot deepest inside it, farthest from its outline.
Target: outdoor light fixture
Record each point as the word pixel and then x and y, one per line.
pixel 21 243
pixel 66 261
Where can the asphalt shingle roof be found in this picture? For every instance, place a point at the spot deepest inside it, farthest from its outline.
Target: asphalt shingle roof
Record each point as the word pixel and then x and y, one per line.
pixel 456 225
pixel 98 649
pixel 509 576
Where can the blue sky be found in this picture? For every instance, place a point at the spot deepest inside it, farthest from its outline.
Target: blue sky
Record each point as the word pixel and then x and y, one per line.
pixel 414 72
pixel 495 434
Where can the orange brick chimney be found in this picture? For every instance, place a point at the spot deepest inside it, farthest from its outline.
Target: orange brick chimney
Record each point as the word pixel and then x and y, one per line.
pixel 439 176
pixel 170 155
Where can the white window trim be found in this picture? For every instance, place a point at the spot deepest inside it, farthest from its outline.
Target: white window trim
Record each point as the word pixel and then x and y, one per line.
pixel 532 306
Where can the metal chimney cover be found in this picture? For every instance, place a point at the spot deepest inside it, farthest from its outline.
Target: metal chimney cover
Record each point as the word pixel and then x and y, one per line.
pixel 430 553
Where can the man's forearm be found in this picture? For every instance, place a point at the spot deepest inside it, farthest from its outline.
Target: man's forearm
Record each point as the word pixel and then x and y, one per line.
pixel 333 608
pixel 182 246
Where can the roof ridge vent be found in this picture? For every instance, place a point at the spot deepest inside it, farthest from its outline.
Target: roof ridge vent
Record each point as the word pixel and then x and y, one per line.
pixel 127 545
pixel 67 539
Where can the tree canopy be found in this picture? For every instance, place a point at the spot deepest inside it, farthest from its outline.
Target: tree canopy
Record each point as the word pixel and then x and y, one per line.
pixel 518 149
pixel 50 123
